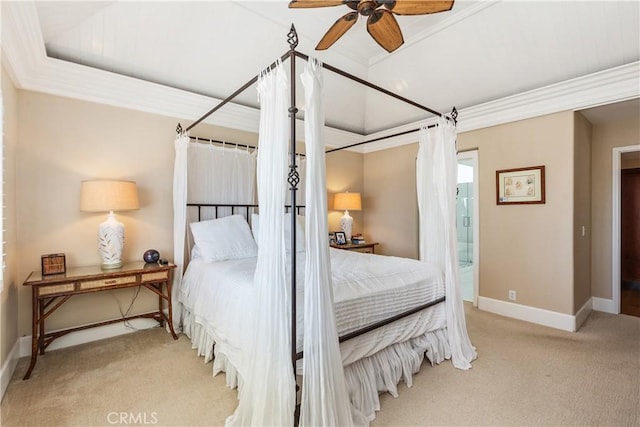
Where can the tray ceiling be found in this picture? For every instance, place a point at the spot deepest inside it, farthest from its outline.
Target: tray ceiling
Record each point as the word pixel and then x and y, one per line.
pixel 477 53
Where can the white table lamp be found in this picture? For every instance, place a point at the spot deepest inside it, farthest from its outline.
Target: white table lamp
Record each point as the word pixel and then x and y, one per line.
pixel 109 196
pixel 347 201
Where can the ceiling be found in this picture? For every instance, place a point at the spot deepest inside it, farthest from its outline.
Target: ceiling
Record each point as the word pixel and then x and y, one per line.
pixel 473 55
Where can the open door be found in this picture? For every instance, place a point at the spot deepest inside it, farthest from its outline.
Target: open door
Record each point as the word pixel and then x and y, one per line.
pixel 630 242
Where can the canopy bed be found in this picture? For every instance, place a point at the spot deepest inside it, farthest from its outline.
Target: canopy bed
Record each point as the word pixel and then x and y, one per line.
pixel 367 320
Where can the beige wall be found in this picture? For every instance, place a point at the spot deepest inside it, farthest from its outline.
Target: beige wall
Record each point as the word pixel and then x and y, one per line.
pixel 62 142
pixel 605 137
pixel 390 206
pixel 9 302
pixel 581 212
pixel 526 248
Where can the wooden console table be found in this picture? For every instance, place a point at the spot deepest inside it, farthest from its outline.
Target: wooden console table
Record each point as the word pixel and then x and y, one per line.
pixel 48 293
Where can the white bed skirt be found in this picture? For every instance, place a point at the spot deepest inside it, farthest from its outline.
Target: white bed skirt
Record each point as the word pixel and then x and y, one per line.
pixel 365 378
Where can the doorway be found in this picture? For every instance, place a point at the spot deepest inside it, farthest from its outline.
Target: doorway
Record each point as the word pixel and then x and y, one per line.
pixel 630 238
pixel 466 224
pixel 627 157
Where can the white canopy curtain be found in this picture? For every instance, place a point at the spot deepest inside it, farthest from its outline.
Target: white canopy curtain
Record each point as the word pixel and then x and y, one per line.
pixel 268 393
pixel 221 173
pixel 204 172
pixel 179 222
pixel 325 400
pixel 436 187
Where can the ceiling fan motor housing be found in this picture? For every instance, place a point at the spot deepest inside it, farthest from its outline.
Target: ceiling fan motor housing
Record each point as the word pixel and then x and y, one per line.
pixel 367 7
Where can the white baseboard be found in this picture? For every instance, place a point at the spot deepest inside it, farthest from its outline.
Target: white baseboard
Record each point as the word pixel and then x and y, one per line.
pixel 582 314
pixel 604 305
pixel 552 319
pixel 8 368
pixel 89 335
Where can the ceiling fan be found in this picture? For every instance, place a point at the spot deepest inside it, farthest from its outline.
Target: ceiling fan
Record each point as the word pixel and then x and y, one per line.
pixel 381 24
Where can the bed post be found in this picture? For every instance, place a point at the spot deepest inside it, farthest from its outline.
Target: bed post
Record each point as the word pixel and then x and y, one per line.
pixel 293 179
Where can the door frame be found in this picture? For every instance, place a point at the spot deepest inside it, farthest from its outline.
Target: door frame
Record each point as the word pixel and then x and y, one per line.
pixel 616 222
pixel 473 156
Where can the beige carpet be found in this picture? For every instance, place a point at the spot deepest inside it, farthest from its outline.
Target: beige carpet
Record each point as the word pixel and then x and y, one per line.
pixel 526 375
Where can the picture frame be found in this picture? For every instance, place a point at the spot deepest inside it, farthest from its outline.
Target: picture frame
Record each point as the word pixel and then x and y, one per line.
pixel 520 186
pixel 332 238
pixel 341 238
pixel 53 264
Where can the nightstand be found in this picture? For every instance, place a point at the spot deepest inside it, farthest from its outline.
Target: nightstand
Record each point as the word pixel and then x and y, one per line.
pixel 49 293
pixel 366 248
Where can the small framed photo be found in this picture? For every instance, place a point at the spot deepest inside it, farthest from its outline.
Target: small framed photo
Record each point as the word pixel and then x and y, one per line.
pixel 520 186
pixel 332 238
pixel 53 264
pixel 341 239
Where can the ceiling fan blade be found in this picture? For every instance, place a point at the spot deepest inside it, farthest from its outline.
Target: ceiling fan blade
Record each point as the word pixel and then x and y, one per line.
pixel 298 4
pixel 414 7
pixel 384 29
pixel 337 30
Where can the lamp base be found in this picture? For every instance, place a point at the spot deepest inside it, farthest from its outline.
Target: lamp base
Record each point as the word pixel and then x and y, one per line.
pixel 111 242
pixel 111 266
pixel 346 223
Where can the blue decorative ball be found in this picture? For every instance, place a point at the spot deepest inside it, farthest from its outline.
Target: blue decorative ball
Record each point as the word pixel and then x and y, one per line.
pixel 151 256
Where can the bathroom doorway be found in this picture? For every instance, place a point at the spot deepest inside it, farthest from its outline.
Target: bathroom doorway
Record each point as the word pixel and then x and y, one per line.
pixel 466 224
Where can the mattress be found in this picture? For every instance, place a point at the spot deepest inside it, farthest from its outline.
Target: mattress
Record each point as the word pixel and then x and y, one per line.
pixel 368 288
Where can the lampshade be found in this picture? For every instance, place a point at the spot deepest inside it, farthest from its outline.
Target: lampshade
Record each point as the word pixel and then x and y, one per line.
pixel 108 195
pixel 347 201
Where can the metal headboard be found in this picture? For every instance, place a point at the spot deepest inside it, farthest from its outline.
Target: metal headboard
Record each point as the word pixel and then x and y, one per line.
pixel 235 209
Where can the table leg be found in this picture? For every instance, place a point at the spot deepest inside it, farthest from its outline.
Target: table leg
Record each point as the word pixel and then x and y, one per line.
pixel 34 332
pixel 170 317
pixel 161 321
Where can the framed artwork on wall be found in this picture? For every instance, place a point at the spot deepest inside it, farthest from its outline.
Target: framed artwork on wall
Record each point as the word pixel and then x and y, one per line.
pixel 520 186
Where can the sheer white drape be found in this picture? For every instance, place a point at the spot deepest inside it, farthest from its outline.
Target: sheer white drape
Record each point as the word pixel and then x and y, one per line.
pixel 179 222
pixel 325 400
pixel 220 174
pixel 436 174
pixel 267 396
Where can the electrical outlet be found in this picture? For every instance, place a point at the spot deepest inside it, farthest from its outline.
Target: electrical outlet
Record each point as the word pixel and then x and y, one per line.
pixel 512 295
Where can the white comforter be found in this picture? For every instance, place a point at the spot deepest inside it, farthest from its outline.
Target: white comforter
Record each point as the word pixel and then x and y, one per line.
pixel 367 288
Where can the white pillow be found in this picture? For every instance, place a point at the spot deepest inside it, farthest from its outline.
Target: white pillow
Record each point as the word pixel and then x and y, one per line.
pixel 224 238
pixel 300 236
pixel 195 252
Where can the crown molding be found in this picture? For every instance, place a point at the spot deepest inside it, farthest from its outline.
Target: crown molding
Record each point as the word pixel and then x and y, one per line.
pixel 30 68
pixel 605 87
